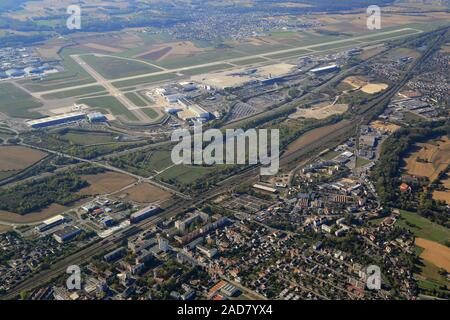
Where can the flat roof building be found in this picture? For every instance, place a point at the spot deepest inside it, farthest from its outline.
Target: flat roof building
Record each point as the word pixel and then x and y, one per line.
pixel 55 120
pixel 67 234
pixel 50 223
pixel 144 214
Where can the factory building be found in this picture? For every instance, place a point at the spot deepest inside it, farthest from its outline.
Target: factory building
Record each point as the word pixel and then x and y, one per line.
pixel 50 223
pixel 265 188
pixel 67 234
pixel 144 214
pixel 56 120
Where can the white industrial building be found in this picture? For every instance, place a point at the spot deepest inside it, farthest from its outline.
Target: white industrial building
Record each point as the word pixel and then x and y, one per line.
pixel 55 120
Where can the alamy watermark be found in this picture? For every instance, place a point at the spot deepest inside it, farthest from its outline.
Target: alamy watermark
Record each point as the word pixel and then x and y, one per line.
pixel 374 17
pixel 236 147
pixel 373 277
pixel 73 22
pixel 74 280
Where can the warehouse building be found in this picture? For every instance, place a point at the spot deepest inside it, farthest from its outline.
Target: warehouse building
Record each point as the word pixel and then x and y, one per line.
pixel 56 120
pixel 144 214
pixel 265 188
pixel 67 234
pixel 50 223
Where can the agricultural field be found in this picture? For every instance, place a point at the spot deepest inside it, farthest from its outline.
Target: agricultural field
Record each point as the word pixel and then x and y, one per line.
pixel 429 159
pixel 436 253
pixel 109 104
pixel 13 158
pixel 144 193
pixel 314 134
pixel 431 246
pixel 17 103
pixel 33 217
pixel 105 183
pixel 443 195
pixel 113 68
pixel 185 175
pixel 424 228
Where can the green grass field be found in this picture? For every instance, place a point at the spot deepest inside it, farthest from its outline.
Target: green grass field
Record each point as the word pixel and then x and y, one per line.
pixel 201 58
pixel 144 80
pixel 249 61
pixel 184 175
pixel 87 138
pixel 294 53
pixel 17 103
pixel 151 113
pixel 136 99
pixel 75 92
pixel 113 68
pixel 423 227
pixel 207 69
pixel 430 279
pixel 109 103
pixel 360 162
